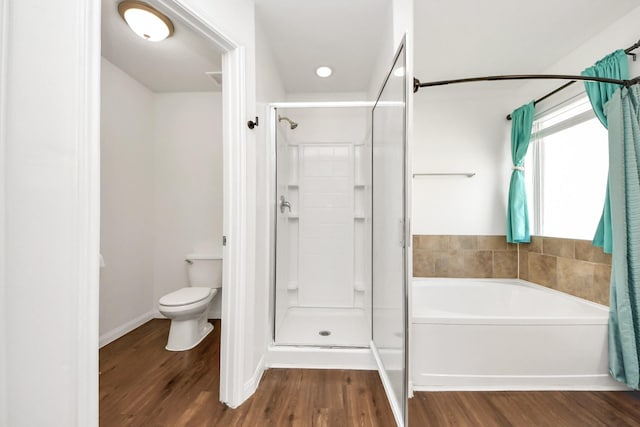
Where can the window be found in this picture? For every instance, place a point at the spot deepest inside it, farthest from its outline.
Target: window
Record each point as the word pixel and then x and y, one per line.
pixel 566 171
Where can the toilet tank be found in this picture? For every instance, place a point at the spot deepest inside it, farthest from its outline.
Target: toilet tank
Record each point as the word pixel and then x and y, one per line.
pixel 204 270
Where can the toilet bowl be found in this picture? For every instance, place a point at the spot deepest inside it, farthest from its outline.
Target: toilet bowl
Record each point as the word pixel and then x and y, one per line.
pixel 188 307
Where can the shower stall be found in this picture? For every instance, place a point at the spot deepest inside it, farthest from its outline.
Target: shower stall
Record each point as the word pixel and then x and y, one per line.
pixel 340 186
pixel 323 225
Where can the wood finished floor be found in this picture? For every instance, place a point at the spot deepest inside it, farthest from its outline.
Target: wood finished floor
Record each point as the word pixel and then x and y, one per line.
pixel 141 384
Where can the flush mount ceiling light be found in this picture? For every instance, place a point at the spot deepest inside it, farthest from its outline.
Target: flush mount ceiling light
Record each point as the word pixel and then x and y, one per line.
pixel 323 71
pixel 145 21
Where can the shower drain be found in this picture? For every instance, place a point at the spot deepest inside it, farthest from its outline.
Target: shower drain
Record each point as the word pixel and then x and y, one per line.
pixel 324 333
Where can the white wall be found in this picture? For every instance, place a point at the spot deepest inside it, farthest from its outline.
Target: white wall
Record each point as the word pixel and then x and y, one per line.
pixel 50 176
pixel 161 195
pixel 622 34
pixel 462 129
pixel 187 178
pixel 4 412
pixel 127 184
pixel 461 132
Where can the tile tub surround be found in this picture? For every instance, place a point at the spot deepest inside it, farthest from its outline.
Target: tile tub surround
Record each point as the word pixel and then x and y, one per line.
pixel 572 266
pixel 464 256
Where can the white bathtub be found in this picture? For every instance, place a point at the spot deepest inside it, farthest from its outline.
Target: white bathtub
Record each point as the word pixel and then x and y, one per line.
pixel 497 334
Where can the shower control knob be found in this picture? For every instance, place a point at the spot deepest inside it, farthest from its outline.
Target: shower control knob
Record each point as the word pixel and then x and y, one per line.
pixel 284 204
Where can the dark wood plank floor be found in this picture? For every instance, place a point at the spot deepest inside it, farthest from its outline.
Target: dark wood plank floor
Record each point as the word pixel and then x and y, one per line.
pixel 141 384
pixel 525 409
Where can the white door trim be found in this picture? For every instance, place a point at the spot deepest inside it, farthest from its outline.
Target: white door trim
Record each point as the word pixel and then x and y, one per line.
pixel 87 209
pixel 234 283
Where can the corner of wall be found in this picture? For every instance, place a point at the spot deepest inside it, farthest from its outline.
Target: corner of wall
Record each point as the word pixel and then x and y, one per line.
pixel 4 413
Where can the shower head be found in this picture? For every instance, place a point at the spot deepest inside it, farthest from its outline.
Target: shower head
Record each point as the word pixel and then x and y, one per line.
pixel 292 124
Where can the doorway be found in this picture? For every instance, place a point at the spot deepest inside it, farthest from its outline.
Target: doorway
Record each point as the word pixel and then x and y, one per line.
pixel 233 214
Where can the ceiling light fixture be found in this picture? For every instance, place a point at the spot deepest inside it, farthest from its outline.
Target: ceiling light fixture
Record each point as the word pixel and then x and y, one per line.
pixel 323 71
pixel 145 21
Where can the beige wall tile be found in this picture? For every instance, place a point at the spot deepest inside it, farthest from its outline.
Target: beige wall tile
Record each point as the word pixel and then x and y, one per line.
pixel 424 263
pixel 558 247
pixel 575 277
pixel 459 243
pixel 524 265
pixel 601 283
pixel 542 269
pixel 505 264
pixel 433 243
pixel 534 246
pixel 498 243
pixel 587 252
pixel 547 261
pixel 449 264
pixel 478 263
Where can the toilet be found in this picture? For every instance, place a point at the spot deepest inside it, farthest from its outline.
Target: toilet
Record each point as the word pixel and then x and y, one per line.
pixel 188 307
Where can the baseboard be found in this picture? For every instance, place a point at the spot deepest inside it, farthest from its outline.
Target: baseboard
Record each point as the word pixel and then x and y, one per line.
pixel 252 384
pixel 320 358
pixel 516 383
pixel 116 333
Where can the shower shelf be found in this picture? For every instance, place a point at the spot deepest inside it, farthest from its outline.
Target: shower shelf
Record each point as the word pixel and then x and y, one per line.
pixel 293 216
pixel 467 174
pixel 292 185
pixel 359 185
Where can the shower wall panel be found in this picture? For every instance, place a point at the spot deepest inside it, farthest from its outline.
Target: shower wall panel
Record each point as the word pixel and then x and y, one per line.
pixel 323 242
pixel 326 225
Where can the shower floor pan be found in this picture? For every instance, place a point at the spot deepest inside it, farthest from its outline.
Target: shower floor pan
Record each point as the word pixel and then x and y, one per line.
pixel 326 327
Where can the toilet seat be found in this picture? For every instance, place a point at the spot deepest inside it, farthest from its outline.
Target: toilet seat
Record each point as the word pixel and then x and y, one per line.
pixel 185 296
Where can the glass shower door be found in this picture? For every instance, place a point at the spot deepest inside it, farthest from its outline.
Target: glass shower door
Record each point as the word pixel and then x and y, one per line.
pixel 389 237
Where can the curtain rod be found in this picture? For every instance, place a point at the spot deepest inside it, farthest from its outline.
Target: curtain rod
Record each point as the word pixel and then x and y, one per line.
pixel 417 84
pixel 628 51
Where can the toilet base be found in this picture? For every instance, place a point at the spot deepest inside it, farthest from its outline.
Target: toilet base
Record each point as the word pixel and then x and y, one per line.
pixel 187 334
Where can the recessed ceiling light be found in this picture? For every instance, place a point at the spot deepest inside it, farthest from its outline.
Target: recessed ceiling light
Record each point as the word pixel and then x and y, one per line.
pixel 145 21
pixel 323 71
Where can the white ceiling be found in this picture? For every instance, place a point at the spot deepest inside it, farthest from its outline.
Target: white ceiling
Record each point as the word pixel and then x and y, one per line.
pixel 464 38
pixel 177 64
pixel 343 34
pixel 453 38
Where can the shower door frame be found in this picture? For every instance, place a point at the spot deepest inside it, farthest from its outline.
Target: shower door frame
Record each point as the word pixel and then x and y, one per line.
pixel 401 414
pixel 272 114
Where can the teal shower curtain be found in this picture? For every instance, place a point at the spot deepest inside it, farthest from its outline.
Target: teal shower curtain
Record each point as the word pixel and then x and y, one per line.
pixel 623 114
pixel 613 66
pixel 517 208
